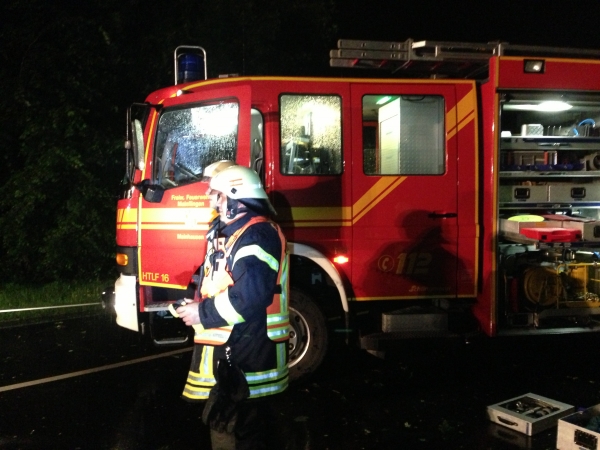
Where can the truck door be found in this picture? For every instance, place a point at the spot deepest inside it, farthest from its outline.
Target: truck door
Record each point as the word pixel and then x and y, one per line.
pixel 404 191
pixel 191 132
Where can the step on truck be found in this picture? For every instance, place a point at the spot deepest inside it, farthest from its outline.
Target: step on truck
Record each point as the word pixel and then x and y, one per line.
pixel 429 189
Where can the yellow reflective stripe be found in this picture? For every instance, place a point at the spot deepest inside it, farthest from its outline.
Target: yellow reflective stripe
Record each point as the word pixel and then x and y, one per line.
pixel 255 250
pixel 206 364
pixel 213 336
pixel 283 282
pixel 196 393
pixel 280 371
pixel 199 380
pixel 278 326
pixel 199 384
pixel 271 389
pixel 274 319
pixel 226 309
pixel 278 333
pixel 282 355
pixel 273 381
pixel 268 375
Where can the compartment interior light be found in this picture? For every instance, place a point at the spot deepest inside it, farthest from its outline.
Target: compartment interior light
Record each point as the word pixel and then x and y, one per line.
pixel 534 66
pixel 552 105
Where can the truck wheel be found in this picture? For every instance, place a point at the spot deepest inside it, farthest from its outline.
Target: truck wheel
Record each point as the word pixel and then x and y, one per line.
pixel 308 335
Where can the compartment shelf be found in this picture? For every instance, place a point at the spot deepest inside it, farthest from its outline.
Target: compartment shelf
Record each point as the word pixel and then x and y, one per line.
pixel 550 173
pixel 547 143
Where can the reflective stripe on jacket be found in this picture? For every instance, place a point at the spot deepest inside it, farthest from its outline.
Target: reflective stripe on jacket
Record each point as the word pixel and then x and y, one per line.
pixel 217 279
pixel 200 378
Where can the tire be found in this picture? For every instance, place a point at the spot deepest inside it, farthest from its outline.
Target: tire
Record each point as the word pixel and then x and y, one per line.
pixel 308 336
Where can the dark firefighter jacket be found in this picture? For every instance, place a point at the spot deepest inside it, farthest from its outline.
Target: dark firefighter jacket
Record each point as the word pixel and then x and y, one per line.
pixel 247 312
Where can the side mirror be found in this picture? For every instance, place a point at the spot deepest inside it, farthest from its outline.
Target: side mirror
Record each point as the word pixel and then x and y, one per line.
pixel 137 144
pixel 152 193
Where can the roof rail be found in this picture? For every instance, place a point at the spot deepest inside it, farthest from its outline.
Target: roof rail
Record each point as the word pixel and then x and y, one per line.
pixel 438 58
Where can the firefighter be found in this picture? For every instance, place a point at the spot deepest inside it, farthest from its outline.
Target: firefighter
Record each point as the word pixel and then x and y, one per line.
pixel 209 171
pixel 241 316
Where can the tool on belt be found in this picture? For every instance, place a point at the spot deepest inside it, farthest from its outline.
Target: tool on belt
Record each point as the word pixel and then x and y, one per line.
pixel 220 411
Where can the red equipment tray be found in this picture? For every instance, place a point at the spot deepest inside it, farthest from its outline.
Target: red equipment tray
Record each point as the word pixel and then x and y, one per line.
pixel 552 234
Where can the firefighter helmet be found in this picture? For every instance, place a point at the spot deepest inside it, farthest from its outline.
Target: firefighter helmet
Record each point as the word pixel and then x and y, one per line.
pixel 238 182
pixel 243 185
pixel 212 169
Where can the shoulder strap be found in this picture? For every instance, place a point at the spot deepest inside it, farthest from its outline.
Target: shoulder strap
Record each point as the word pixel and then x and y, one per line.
pixel 235 236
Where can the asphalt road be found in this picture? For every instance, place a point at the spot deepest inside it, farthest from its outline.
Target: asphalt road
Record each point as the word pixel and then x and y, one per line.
pixel 88 384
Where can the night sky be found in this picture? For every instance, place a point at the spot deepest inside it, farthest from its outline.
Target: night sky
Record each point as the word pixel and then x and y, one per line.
pixel 527 22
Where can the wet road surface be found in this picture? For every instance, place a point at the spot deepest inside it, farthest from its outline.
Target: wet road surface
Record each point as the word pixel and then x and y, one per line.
pixel 70 385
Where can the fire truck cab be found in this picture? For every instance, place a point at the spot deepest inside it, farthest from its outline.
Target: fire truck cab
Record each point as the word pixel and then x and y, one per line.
pixel 458 193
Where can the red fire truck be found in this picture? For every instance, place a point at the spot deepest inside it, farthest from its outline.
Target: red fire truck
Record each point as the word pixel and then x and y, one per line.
pixel 454 188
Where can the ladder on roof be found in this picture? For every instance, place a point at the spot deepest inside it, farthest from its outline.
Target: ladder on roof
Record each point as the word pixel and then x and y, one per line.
pixel 438 58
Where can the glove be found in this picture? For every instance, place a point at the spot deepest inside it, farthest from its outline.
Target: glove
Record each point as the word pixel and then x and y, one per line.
pixel 173 306
pixel 181 302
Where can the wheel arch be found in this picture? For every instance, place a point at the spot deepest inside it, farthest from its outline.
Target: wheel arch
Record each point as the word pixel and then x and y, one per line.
pixel 318 258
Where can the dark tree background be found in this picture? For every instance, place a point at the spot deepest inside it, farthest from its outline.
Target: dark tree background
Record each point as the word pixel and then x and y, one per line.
pixel 69 69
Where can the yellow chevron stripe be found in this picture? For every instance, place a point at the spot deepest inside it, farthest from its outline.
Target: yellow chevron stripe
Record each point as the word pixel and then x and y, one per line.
pixel 374 195
pixel 461 114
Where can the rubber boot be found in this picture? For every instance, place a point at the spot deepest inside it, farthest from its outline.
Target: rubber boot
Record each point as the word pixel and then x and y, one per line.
pixel 222 441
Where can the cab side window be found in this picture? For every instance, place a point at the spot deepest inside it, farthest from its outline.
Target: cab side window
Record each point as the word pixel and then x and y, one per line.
pixel 311 134
pixel 403 135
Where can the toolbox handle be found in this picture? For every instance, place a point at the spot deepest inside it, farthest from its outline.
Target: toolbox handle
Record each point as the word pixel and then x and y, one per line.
pixel 522 193
pixel 507 422
pixel 578 192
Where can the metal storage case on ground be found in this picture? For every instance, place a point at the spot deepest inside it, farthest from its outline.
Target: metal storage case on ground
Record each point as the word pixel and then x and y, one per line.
pixel 580 430
pixel 529 413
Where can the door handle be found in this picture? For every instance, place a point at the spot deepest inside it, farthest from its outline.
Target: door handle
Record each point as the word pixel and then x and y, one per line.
pixel 442 215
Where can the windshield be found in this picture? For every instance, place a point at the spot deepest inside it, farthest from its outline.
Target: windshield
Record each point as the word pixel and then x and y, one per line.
pixel 190 139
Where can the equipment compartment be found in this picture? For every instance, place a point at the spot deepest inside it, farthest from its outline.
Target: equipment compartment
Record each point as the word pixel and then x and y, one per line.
pixel 549 170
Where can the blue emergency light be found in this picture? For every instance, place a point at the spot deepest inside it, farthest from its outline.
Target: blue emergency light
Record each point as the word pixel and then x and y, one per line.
pixel 190 66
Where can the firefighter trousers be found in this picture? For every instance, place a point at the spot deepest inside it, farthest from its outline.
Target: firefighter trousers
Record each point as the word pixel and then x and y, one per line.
pixel 255 428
